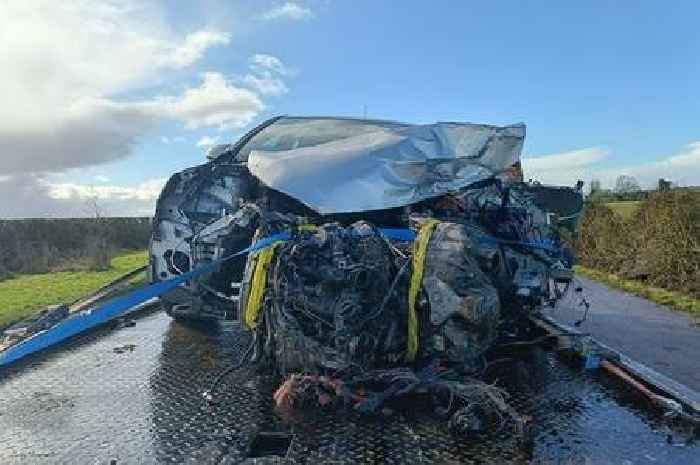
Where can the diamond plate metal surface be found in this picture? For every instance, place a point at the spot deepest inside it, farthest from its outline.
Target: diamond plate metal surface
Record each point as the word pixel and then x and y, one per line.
pixel 84 403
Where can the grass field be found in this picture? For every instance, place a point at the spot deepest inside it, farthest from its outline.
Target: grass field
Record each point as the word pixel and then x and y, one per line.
pixel 23 295
pixel 672 299
pixel 624 209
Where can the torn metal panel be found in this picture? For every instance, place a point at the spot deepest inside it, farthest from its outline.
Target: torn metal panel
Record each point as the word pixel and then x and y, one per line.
pixel 464 304
pixel 338 165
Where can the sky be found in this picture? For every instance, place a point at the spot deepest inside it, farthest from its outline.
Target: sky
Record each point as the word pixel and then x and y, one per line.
pixel 106 100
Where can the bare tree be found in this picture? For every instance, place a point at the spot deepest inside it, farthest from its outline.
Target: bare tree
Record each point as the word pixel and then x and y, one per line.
pixel 99 249
pixel 626 184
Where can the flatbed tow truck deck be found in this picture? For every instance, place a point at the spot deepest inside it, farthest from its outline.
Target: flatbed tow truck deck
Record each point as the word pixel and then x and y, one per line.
pixel 127 394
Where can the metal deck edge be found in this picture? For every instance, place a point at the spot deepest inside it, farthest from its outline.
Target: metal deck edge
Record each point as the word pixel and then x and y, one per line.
pixel 104 291
pixel 45 339
pixel 680 392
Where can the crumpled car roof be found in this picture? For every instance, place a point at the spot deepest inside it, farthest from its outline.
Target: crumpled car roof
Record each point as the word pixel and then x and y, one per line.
pixel 342 165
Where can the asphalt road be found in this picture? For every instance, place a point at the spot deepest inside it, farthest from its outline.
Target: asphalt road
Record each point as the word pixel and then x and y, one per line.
pixel 663 339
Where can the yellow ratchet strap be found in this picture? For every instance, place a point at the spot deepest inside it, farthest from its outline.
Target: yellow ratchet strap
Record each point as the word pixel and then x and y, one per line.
pixel 258 283
pixel 257 286
pixel 420 250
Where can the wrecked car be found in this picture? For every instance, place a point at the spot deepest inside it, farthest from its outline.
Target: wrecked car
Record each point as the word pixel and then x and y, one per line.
pixel 408 253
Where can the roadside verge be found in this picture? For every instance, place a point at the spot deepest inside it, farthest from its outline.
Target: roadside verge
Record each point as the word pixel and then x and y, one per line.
pixel 672 299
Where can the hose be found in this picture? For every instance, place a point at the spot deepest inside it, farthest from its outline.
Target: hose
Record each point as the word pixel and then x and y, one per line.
pixel 208 394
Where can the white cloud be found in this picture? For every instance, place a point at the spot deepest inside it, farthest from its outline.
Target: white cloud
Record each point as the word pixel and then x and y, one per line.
pixel 217 102
pixel 262 62
pixel 30 199
pixel 207 142
pixel 567 160
pixel 265 75
pixel 65 69
pixel 96 130
pixel 147 191
pixel 566 168
pixel 40 196
pixel 101 178
pixel 55 52
pixel 193 48
pixel 266 84
pixel 63 63
pixel 288 10
pixel 172 140
pixel 88 131
pixel 682 168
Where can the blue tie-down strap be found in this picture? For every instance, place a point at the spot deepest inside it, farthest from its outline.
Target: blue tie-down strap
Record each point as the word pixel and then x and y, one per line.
pixel 592 361
pixel 90 318
pixel 544 244
pixel 398 234
pixel 117 306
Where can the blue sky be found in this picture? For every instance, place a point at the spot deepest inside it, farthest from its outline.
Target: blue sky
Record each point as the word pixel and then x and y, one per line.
pixel 605 88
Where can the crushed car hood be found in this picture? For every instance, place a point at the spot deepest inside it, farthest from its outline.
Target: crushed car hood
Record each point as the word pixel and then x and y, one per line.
pixel 341 165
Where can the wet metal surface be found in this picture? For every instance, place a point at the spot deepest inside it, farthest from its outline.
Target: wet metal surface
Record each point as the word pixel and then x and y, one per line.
pixel 84 403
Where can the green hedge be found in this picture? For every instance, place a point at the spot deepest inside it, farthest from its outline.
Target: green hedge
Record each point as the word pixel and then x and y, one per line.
pixel 41 245
pixel 659 242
